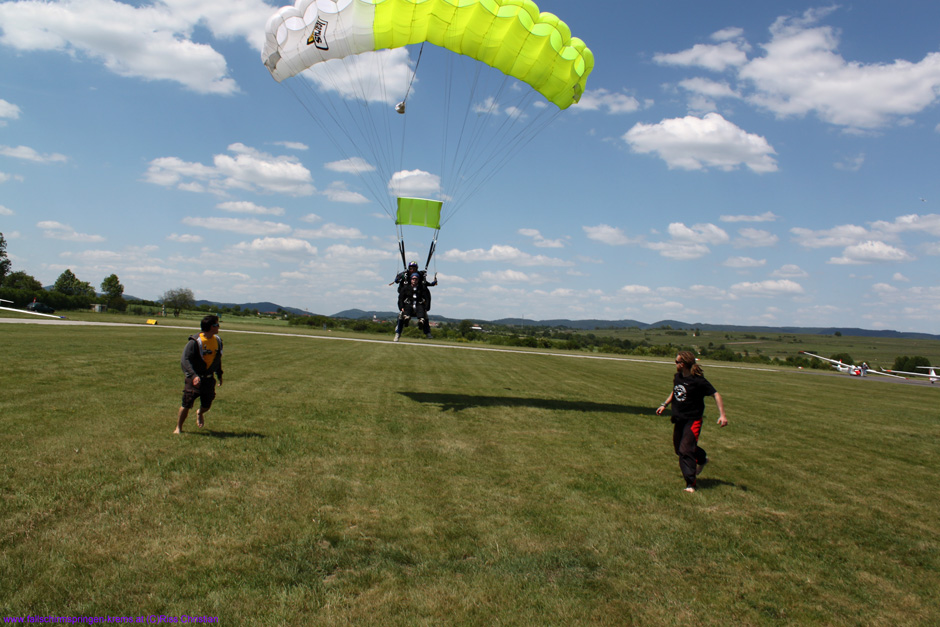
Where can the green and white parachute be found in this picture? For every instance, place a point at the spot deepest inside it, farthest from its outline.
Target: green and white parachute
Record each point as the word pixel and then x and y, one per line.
pixel 354 56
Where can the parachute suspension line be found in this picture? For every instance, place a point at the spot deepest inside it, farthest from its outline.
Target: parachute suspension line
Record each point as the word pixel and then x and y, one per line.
pixel 400 107
pixel 431 251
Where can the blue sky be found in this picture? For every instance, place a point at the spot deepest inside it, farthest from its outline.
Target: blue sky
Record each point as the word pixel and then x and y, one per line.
pixel 730 162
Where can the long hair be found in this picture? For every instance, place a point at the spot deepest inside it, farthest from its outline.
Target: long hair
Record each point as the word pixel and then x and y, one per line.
pixel 688 360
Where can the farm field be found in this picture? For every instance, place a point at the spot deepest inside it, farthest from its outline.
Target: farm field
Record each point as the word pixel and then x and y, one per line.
pixel 369 483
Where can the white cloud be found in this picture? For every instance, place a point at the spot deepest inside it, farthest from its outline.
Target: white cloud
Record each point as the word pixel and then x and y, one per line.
pixel 709 88
pixel 331 231
pixel 5 211
pixel 246 169
pixel 929 224
pixel 713 57
pixel 185 238
pixel 602 99
pixel 353 165
pixel 503 254
pixel 278 245
pixel 149 42
pixel 682 250
pixel 781 287
pixel 900 277
pixel 338 192
pixel 635 290
pixel 743 262
pixel 540 241
pixel 57 230
pixel 843 235
pixel 767 216
pixel 702 233
pixel 506 276
pixel 8 111
pixel 28 154
pixel 415 183
pixel 801 72
pixel 850 164
pixel 610 235
pixel 247 226
pixel 755 238
pixel 693 143
pixel 249 207
pixel 293 145
pixel 789 271
pixel 870 252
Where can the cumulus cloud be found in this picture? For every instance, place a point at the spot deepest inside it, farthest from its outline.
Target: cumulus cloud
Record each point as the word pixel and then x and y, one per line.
pixel 29 154
pixel 57 230
pixel 779 287
pixel 610 235
pixel 789 271
pixel 635 290
pixel 842 235
pixel 704 233
pixel 540 241
pixel 339 192
pixel 185 238
pixel 604 100
pixel 415 183
pixel 503 254
pixel 249 207
pixel 693 143
pixel 247 226
pixel 151 42
pixel 801 72
pixel 507 276
pixel 929 224
pixel 8 111
pixel 331 231
pixel 709 88
pixel 755 238
pixel 870 252
pixel 353 165
pixel 717 57
pixel 245 169
pixel 740 263
pixel 279 247
pixel 767 216
pixel 682 250
pixel 6 211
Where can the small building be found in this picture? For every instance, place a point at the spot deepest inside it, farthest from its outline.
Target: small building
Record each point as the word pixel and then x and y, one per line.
pixel 98 308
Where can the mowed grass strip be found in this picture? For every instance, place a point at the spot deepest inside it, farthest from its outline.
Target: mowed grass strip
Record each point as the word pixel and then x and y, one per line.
pixel 341 482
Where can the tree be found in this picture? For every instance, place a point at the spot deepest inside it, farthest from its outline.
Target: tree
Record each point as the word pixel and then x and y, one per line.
pixel 179 299
pixel 19 280
pixel 114 293
pixel 4 260
pixel 69 284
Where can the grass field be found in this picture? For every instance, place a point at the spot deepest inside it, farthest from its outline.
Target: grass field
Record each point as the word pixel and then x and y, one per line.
pixel 363 483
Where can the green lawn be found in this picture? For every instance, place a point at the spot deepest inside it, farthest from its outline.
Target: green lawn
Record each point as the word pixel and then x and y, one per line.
pixel 363 483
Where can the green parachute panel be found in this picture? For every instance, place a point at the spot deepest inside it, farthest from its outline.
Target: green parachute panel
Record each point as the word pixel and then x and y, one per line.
pixel 419 212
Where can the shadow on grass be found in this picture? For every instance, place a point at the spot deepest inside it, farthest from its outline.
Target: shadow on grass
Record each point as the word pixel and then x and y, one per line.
pixel 458 402
pixel 708 484
pixel 224 435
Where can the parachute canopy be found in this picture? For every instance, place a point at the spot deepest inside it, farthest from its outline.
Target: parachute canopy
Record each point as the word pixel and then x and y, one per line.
pixel 419 212
pixel 510 35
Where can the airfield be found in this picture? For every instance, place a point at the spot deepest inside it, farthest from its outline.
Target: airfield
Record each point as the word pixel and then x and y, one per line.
pixel 351 480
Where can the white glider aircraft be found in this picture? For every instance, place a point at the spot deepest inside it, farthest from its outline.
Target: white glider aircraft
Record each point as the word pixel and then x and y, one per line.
pixel 931 373
pixel 849 369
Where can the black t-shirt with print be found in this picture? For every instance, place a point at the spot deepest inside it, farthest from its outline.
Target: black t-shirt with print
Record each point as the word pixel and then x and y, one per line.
pixel 688 397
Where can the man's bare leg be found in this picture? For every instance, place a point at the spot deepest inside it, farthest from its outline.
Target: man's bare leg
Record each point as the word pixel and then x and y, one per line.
pixel 181 419
pixel 199 417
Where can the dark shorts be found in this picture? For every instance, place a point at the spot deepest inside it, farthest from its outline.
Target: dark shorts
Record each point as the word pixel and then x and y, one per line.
pixel 205 392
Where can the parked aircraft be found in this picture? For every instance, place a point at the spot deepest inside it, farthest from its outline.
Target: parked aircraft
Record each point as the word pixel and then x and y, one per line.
pixel 851 369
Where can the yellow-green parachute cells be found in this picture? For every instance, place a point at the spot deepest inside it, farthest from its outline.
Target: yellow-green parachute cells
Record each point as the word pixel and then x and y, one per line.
pixel 509 35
